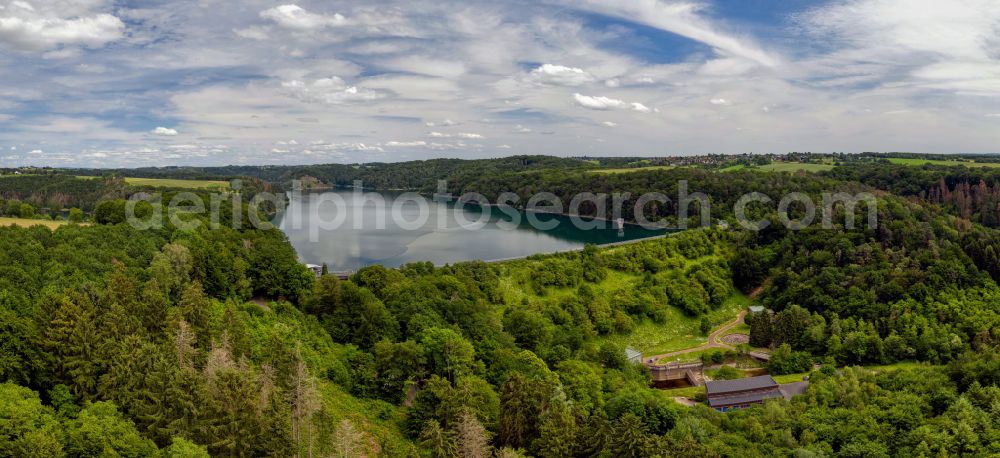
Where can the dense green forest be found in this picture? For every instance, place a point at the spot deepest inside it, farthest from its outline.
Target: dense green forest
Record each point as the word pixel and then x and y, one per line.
pixel 413 175
pixel 58 191
pixel 972 193
pixel 195 342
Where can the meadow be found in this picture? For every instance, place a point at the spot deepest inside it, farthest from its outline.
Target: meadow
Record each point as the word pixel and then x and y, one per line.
pixel 783 167
pixel 916 162
pixel 632 169
pixel 174 183
pixel 678 331
pixel 27 222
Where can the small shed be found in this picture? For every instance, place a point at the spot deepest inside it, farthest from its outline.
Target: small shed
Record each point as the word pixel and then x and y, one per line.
pixel 755 309
pixel 728 395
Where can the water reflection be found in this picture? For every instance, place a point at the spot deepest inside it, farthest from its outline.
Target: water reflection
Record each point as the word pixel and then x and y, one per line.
pixel 359 241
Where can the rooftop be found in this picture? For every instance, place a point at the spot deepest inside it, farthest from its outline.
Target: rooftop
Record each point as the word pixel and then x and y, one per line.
pixel 744 397
pixel 741 384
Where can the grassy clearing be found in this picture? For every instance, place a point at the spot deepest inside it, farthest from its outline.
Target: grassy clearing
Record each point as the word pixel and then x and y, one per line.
pixel 171 183
pixel 789 378
pixel 515 285
pixel 377 418
pixel 633 169
pixel 22 222
pixel 900 366
pixel 741 328
pixel 680 331
pixel 782 167
pixel 916 162
pixel 688 392
pixel 168 183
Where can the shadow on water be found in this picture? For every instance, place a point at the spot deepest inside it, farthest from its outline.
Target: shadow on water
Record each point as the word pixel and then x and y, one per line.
pixel 671 384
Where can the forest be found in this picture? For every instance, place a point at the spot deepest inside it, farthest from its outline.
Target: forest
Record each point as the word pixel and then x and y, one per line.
pixel 218 342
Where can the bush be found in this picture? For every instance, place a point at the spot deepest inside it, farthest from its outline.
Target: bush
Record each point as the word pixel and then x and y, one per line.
pixel 26 211
pixel 713 357
pixel 75 215
pixel 727 373
pixel 785 361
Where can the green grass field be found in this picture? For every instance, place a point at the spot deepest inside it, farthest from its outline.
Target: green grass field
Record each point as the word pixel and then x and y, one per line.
pixel 680 331
pixel 918 162
pixel 171 183
pixel 782 167
pixel 168 183
pixel 4 221
pixel 741 328
pixel 687 392
pixel 633 169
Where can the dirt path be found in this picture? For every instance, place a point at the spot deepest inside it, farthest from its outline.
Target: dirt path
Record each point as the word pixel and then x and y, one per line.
pixel 713 342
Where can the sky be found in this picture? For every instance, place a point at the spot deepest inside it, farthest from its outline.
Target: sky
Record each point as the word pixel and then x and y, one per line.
pixel 130 83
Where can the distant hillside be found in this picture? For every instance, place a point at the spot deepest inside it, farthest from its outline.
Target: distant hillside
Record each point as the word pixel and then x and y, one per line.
pixel 411 175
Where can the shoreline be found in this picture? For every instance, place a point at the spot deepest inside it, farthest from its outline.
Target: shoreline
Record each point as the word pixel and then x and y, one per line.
pixel 434 197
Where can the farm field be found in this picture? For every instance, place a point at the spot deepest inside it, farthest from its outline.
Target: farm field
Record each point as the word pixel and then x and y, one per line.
pixel 22 222
pixel 172 183
pixel 632 169
pixel 918 162
pixel 169 183
pixel 783 167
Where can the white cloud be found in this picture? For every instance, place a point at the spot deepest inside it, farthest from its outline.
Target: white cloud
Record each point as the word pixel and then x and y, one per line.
pixel 445 123
pixel 253 33
pixel 410 144
pixel 681 17
pixel 42 33
pixel 332 91
pixel 560 75
pixel 164 132
pixel 465 135
pixel 295 17
pixel 940 46
pixel 245 79
pixel 423 65
pixel 607 103
pixel 597 102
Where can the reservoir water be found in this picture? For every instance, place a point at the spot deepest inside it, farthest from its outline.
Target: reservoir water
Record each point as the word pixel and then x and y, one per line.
pixel 342 230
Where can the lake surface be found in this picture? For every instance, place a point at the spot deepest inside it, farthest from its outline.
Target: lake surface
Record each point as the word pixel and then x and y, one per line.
pixel 359 240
